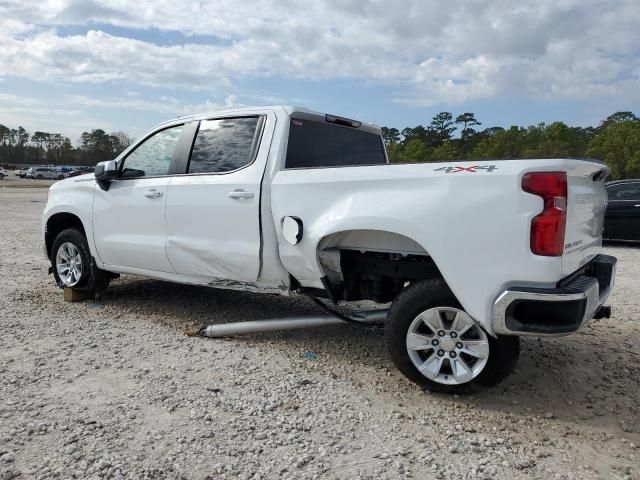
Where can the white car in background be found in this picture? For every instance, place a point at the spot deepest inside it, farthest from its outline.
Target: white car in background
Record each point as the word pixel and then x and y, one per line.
pixel 3 173
pixel 45 173
pixel 469 255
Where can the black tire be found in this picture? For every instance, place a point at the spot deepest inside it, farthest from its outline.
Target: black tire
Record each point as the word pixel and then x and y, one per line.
pixel 39 177
pixel 92 280
pixel 60 177
pixel 419 297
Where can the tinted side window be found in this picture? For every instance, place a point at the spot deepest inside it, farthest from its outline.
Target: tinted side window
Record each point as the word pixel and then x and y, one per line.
pixel 152 157
pixel 224 145
pixel 627 191
pixel 318 144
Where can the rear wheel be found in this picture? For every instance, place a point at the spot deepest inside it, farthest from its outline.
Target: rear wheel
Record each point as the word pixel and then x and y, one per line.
pixel 73 266
pixel 60 177
pixel 39 177
pixel 436 344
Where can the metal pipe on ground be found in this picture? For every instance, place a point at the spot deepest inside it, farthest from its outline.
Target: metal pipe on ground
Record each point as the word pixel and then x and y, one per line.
pixel 292 323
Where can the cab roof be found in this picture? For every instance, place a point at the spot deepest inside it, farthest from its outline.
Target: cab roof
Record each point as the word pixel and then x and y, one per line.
pixel 288 109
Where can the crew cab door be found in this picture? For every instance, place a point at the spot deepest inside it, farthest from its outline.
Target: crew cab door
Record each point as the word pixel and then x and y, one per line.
pixel 622 220
pixel 213 208
pixel 129 218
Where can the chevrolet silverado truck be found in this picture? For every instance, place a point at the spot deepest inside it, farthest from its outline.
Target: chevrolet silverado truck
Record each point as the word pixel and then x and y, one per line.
pixel 466 256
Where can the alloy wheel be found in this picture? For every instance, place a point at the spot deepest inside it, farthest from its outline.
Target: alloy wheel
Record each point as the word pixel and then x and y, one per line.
pixel 69 264
pixel 447 346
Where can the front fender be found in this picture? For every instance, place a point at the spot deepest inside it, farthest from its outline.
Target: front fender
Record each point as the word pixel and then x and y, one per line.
pixel 74 197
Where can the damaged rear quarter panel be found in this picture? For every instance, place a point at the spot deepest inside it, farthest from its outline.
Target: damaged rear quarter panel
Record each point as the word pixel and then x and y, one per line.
pixel 479 241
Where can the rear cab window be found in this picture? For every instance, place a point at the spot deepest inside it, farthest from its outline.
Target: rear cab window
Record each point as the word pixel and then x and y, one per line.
pixel 225 145
pixel 318 144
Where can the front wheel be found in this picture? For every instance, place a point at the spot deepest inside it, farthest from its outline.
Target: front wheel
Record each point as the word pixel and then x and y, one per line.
pixel 39 177
pixel 436 344
pixel 72 265
pixel 60 177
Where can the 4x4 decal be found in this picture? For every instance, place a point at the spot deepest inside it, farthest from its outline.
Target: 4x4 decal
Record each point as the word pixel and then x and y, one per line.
pixel 472 169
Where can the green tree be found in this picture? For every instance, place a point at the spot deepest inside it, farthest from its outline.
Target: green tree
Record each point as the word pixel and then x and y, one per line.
pixel 22 136
pixel 468 135
pixel 443 126
pixel 618 117
pixel 395 152
pixel 390 135
pixel 553 141
pixel 121 140
pixel 416 133
pixel 17 146
pixel 504 144
pixel 415 151
pixel 618 144
pixel 468 121
pixel 40 139
pixel 5 135
pixel 445 152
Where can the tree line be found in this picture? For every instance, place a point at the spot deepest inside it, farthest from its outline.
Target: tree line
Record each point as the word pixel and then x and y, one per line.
pixel 18 146
pixel 616 141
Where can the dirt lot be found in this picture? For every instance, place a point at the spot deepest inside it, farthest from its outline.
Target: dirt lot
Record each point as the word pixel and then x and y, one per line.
pixel 12 181
pixel 112 388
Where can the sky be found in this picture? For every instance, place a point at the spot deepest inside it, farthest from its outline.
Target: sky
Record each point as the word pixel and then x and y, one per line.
pixel 70 66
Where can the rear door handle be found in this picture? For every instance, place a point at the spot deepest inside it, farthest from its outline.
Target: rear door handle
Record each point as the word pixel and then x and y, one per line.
pixel 240 194
pixel 153 193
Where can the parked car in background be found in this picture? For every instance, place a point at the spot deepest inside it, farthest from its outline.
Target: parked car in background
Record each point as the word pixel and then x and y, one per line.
pixel 45 173
pixel 3 173
pixel 622 218
pixel 74 173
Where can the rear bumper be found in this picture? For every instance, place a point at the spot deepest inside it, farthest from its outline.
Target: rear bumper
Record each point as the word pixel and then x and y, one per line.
pixel 556 311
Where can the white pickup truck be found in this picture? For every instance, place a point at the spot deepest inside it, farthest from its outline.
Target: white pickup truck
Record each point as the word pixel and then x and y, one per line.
pixel 469 255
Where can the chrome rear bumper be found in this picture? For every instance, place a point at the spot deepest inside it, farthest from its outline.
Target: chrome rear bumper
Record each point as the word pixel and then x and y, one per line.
pixel 556 311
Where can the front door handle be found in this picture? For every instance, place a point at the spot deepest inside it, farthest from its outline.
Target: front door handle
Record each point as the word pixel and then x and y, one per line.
pixel 239 194
pixel 153 193
pixel 638 205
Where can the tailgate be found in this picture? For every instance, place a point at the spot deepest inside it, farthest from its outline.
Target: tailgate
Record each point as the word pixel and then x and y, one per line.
pixel 586 204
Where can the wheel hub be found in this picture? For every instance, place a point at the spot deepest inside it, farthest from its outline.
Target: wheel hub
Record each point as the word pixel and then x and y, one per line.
pixel 447 346
pixel 69 264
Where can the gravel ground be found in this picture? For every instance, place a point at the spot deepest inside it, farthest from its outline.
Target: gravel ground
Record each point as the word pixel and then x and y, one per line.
pixel 12 181
pixel 112 388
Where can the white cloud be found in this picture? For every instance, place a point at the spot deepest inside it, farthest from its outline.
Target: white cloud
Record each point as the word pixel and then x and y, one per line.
pixel 67 114
pixel 429 51
pixel 48 115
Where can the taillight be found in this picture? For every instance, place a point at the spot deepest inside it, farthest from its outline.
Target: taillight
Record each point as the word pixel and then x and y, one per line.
pixel 547 228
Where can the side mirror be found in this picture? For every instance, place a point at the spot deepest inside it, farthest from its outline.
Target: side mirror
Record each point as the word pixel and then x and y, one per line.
pixel 105 172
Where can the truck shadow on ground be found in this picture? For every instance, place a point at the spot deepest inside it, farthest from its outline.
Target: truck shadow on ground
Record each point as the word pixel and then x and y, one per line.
pixel 593 377
pixel 629 244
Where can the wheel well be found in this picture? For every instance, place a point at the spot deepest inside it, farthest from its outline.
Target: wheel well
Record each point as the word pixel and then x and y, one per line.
pixel 372 265
pixel 57 223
